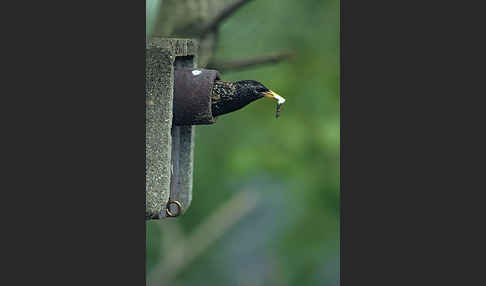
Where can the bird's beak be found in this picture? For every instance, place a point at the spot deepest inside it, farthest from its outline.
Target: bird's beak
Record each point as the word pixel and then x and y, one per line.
pixel 274 95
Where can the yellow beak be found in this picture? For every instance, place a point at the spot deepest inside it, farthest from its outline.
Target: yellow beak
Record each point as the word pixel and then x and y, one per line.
pixel 274 95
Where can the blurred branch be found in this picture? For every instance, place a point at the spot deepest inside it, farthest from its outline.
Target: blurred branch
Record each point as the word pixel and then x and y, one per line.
pixel 220 17
pixel 249 63
pixel 183 252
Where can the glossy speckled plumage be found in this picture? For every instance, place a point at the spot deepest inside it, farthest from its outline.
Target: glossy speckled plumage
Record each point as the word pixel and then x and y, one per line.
pixel 231 96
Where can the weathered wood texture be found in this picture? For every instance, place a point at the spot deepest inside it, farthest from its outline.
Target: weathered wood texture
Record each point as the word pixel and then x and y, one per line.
pixel 161 156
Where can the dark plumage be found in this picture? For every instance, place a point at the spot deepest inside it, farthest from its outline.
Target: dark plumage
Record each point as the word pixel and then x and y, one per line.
pixel 231 96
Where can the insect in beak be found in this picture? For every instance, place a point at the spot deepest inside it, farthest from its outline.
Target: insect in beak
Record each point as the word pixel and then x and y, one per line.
pixel 280 100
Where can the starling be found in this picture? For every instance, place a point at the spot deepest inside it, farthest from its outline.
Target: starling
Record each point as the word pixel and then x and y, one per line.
pixel 227 97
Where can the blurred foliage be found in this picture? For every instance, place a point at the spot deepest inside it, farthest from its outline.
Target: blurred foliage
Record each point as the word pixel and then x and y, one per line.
pixel 292 160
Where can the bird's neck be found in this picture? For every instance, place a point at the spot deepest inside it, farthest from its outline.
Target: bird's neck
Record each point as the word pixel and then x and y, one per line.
pixel 228 97
pixel 223 89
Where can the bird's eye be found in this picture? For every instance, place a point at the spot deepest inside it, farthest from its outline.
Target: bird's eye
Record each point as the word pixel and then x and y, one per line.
pixel 260 89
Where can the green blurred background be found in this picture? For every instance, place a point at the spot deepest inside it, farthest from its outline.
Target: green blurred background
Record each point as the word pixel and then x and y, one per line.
pixel 288 166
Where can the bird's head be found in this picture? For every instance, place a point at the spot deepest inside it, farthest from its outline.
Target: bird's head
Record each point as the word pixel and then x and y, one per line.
pixel 236 95
pixel 252 90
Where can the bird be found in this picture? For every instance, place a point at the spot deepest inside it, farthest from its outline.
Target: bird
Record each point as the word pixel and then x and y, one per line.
pixel 227 96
